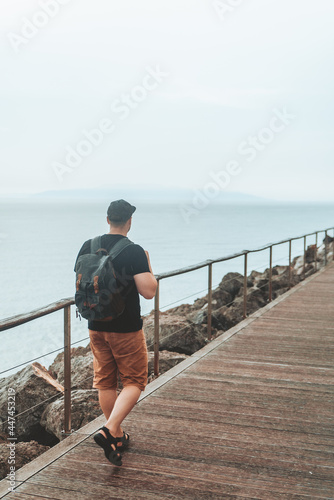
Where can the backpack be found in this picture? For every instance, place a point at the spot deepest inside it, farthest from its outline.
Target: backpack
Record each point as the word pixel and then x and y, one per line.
pixel 98 291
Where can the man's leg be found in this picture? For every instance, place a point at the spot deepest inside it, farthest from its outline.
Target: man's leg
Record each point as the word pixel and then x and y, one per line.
pixel 107 398
pixel 130 353
pixel 123 405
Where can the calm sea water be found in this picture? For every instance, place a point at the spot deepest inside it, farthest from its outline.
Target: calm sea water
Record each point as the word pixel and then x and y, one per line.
pixel 39 242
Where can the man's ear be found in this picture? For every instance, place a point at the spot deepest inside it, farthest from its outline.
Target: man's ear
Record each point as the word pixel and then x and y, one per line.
pixel 108 220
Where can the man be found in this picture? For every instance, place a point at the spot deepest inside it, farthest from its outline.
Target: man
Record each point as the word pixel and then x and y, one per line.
pixel 119 345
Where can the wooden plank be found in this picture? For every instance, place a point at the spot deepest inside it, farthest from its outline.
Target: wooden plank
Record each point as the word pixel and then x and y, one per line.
pixel 176 475
pixel 78 490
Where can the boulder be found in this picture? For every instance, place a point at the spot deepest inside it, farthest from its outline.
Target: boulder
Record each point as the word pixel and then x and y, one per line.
pixel 321 252
pixel 255 300
pixel 177 333
pixel 33 386
pixel 183 309
pixel 81 368
pixel 328 239
pixel 225 317
pixel 199 303
pixel 298 262
pixel 310 253
pixel 85 407
pixel 231 283
pixel 281 279
pixel 166 361
pixel 200 317
pixel 25 452
pixel 255 277
pixel 221 298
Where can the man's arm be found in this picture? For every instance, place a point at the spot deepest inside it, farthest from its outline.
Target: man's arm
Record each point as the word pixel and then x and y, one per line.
pixel 145 282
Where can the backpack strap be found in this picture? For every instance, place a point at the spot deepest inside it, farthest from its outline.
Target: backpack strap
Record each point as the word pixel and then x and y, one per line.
pixel 95 245
pixel 119 247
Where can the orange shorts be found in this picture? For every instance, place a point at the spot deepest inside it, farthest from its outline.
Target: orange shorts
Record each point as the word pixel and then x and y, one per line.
pixel 123 353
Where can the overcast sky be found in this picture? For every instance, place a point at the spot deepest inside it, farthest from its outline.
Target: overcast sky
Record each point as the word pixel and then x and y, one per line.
pixel 177 93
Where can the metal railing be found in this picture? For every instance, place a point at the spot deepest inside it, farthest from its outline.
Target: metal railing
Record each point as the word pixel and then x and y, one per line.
pixel 66 304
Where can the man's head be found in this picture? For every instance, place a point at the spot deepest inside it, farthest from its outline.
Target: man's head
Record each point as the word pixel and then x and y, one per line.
pixel 119 214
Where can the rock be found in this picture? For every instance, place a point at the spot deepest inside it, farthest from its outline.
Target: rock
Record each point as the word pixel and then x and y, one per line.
pixel 225 317
pixel 231 283
pixel 183 309
pixel 280 292
pixel 199 303
pixel 298 262
pixel 298 265
pixel 85 407
pixel 33 385
pixel 328 239
pixel 255 277
pixel 281 279
pixel 310 253
pixel 24 453
pixel 221 298
pixel 166 361
pixel 177 333
pixel 255 300
pixel 309 269
pixel 199 317
pixel 81 368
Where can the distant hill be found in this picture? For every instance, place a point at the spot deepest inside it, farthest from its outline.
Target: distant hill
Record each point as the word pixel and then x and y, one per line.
pixel 148 195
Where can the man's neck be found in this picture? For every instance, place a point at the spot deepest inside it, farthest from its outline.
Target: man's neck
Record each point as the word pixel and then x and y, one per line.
pixel 116 230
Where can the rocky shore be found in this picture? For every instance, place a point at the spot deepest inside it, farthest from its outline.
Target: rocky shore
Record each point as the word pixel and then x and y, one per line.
pixel 183 330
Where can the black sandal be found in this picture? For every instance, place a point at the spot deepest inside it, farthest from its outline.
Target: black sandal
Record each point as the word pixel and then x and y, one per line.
pixel 112 455
pixel 124 440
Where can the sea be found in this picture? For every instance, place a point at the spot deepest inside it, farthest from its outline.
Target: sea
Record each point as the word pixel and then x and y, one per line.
pixel 40 239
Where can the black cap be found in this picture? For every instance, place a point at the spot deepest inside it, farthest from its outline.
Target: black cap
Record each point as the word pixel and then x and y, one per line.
pixel 120 211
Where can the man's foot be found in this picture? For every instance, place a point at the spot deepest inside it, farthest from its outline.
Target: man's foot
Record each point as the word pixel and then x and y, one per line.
pixel 122 438
pixel 123 442
pixel 109 443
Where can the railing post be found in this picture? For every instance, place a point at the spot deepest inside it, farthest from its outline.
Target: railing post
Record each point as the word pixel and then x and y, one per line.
pixel 326 248
pixel 290 263
pixel 316 252
pixel 67 370
pixel 209 301
pixel 245 286
pixel 271 274
pixel 304 262
pixel 156 331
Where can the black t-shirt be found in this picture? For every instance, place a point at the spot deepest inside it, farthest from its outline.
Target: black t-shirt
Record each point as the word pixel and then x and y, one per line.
pixel 131 261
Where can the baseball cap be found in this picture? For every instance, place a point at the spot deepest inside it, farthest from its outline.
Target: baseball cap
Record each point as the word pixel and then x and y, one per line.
pixel 120 211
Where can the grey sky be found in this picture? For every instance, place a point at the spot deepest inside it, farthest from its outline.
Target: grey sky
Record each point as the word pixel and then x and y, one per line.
pixel 227 74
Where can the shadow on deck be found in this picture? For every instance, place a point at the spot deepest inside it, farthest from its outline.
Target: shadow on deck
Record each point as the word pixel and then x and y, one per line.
pixel 250 416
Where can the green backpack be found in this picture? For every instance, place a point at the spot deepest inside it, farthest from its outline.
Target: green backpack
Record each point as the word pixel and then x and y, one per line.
pixel 98 292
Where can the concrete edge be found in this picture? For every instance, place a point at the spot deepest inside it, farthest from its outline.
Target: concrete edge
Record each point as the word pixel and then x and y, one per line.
pixel 60 449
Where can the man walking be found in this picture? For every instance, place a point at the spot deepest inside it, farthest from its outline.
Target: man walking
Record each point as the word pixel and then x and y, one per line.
pixel 119 344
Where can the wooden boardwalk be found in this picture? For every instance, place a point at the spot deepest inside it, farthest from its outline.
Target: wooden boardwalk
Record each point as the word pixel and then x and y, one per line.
pixel 251 416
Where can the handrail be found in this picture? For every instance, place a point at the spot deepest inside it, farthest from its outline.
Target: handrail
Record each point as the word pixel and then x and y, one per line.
pixel 205 263
pixel 66 304
pixel 20 319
